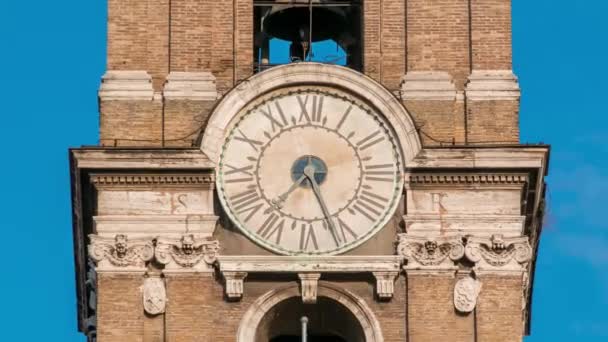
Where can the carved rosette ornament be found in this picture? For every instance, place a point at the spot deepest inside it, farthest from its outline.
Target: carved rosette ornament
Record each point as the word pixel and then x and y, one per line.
pixel 499 253
pixel 423 252
pixel 120 253
pixel 466 292
pixel 188 252
pixel 154 296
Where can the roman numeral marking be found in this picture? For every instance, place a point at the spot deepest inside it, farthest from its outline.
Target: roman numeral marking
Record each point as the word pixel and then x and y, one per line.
pixel 307 235
pixel 269 229
pixel 365 209
pixel 344 228
pixel 246 202
pixel 344 117
pixel 379 173
pixel 317 108
pixel 273 121
pixel 234 169
pixel 372 199
pixel 366 143
pixel 253 143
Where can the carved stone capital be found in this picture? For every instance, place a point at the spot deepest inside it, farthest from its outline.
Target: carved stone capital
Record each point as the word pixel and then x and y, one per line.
pixel 120 253
pixel 428 85
pixel 385 284
pixel 234 284
pixel 466 291
pixel 309 286
pixel 187 253
pixel 154 295
pixel 499 253
pixel 130 85
pixel 422 252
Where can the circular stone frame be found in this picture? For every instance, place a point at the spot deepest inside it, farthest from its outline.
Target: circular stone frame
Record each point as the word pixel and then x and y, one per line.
pixel 307 73
pixel 256 312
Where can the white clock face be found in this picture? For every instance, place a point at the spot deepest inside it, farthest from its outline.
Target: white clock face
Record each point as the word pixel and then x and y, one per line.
pixel 309 171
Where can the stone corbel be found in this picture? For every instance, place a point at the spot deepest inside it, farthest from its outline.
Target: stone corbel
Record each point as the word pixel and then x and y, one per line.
pixel 309 283
pixel 499 253
pixel 234 284
pixel 187 254
pixel 120 253
pixel 432 253
pixel 154 296
pixel 385 284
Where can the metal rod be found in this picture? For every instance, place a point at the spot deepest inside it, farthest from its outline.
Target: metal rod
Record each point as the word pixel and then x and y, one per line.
pixel 304 321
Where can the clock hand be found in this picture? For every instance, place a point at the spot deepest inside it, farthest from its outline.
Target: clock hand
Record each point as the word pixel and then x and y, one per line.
pixel 280 200
pixel 309 171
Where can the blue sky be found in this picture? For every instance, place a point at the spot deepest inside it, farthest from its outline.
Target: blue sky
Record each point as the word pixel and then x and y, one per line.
pixel 52 57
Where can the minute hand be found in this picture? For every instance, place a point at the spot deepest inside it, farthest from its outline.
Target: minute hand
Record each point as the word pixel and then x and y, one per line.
pixel 310 173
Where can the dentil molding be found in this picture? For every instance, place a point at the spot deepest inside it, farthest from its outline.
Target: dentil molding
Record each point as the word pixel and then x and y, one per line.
pixel 499 253
pixel 187 254
pixel 423 252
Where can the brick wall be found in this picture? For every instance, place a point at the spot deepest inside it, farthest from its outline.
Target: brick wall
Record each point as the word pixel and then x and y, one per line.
pixel 491 34
pixel 431 314
pixel 130 123
pixel 120 312
pixel 499 309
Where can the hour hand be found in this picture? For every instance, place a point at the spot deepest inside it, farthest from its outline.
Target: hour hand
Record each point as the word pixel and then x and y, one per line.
pixel 279 201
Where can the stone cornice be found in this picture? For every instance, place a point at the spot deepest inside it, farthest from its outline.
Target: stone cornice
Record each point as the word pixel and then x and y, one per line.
pixel 112 158
pixel 298 264
pixel 146 180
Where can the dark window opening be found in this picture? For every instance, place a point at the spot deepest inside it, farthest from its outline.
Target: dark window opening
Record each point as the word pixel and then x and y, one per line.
pixel 324 31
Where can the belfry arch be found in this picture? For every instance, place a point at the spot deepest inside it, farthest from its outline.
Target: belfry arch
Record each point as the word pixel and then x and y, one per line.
pixel 308 73
pixel 338 315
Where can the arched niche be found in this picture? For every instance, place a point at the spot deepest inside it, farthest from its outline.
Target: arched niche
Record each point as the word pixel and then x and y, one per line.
pixel 311 74
pixel 353 320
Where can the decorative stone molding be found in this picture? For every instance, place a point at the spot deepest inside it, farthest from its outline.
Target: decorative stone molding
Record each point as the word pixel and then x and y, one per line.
pixel 466 292
pixel 147 180
pixel 194 86
pixel 493 179
pixel 318 74
pixel 490 85
pixel 174 226
pixel 129 85
pixel 154 295
pixel 234 284
pixel 187 253
pixel 120 253
pixel 385 284
pixel 428 85
pixel 308 286
pixel 498 252
pixel 422 252
pixel 254 316
pixel 381 266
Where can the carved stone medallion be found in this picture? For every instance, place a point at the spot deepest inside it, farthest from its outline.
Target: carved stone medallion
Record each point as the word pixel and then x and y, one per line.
pixel 154 295
pixel 466 291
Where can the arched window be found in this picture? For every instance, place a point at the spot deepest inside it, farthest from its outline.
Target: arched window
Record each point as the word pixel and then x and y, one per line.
pixel 325 31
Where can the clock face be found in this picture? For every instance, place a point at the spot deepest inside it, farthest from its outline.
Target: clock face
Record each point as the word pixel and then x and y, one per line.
pixel 309 171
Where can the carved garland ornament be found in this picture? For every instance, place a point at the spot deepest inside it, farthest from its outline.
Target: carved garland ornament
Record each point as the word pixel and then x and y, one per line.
pixel 188 252
pixel 499 252
pixel 425 252
pixel 120 251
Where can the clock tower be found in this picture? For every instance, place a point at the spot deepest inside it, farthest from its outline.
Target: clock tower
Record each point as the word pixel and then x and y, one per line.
pixel 348 170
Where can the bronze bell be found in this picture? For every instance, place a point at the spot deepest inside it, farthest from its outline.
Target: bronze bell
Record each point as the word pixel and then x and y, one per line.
pixel 292 22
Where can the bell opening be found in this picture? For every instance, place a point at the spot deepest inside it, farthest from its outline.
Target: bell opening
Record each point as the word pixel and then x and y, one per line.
pixel 291 31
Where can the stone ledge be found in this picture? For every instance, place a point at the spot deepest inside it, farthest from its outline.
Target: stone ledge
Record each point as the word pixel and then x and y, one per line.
pixel 300 264
pixel 195 86
pixel 492 85
pixel 126 85
pixel 428 85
